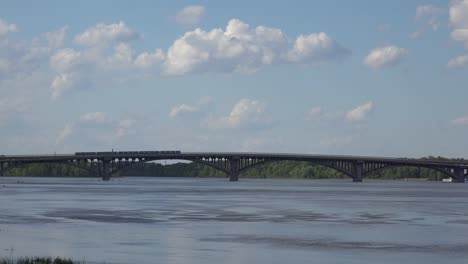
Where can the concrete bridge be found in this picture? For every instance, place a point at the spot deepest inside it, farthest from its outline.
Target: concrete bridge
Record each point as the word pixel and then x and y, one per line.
pixel 106 164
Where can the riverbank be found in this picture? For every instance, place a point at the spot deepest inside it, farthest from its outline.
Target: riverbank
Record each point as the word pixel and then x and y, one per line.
pixel 38 260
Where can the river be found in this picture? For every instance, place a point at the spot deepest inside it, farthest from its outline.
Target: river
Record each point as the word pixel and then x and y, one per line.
pixel 212 221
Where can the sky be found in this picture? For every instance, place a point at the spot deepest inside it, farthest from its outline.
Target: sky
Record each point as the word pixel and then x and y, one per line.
pixel 363 77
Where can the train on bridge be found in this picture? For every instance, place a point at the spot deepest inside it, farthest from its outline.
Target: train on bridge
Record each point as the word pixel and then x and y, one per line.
pixel 156 152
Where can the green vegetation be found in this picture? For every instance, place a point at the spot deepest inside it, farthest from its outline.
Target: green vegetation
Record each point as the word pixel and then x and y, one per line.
pixel 37 260
pixel 281 169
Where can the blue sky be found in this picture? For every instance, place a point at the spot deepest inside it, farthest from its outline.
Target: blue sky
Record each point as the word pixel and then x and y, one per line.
pixel 384 78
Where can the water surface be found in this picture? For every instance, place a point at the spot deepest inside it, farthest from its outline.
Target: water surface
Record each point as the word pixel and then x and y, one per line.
pixel 200 220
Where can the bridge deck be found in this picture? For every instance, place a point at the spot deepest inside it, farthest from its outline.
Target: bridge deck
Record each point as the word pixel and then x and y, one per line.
pixel 220 155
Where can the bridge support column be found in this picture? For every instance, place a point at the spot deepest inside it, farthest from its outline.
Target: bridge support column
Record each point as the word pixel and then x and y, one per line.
pixel 459 175
pixel 105 170
pixel 234 165
pixel 2 167
pixel 357 171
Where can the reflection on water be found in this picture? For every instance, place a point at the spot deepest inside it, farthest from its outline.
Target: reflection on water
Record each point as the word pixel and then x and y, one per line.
pixel 190 220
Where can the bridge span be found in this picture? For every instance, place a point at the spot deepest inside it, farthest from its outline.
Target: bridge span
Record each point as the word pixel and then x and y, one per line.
pixel 106 164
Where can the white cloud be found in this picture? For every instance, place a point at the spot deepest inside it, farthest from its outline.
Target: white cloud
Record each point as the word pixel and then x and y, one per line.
pixel 190 15
pixel 197 110
pixel 145 59
pixel 105 51
pixel 459 21
pixel 66 60
pixel 66 82
pixel 430 15
pixel 75 68
pixel 69 66
pixel 240 48
pixel 458 62
pixel 360 113
pixel 379 58
pixel 6 28
pixel 183 110
pixel 246 113
pixel 316 48
pixel 104 34
pixel 460 121
pixel 123 55
pixel 237 48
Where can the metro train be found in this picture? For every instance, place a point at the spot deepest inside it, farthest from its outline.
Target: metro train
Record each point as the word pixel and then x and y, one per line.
pixel 128 152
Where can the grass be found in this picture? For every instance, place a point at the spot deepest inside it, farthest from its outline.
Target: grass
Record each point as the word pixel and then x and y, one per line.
pixel 38 260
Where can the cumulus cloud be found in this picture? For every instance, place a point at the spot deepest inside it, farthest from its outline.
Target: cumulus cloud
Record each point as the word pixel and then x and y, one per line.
pixel 123 55
pixel 105 48
pixel 104 34
pixel 458 62
pixel 6 28
pixel 458 15
pixel 183 110
pixel 69 66
pixel 360 113
pixel 145 59
pixel 105 51
pixel 191 15
pixel 315 48
pixel 246 113
pixel 240 48
pixel 383 57
pixel 66 82
pixel 460 121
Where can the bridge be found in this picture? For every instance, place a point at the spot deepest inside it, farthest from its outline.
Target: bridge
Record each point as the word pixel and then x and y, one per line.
pixel 106 164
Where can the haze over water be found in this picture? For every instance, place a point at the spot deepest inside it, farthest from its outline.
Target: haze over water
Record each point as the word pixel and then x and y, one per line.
pixel 199 220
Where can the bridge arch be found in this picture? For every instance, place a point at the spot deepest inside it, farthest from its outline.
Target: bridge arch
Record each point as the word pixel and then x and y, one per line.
pixel 199 161
pixel 315 162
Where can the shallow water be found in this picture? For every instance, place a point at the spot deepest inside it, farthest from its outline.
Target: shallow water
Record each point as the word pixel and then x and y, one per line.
pixel 199 220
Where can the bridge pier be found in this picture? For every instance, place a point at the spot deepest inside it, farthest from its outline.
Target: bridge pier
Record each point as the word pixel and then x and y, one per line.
pixel 234 165
pixel 357 171
pixel 459 175
pixel 2 167
pixel 105 170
